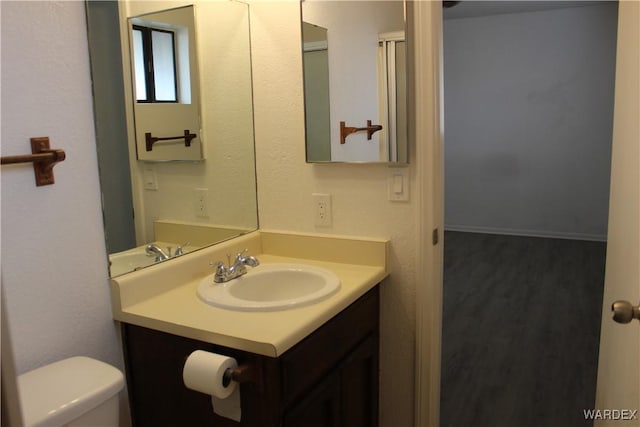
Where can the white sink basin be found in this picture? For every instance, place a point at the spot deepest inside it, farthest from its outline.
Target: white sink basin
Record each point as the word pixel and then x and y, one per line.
pixel 270 287
pixel 125 262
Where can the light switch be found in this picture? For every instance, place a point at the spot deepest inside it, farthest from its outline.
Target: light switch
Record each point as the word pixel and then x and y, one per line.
pixel 150 179
pixel 399 185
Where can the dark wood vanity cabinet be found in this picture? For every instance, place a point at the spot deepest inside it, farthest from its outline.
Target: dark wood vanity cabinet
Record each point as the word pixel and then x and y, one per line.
pixel 329 379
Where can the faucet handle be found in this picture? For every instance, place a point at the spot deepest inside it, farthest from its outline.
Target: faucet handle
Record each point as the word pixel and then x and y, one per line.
pixel 219 266
pixel 251 261
pixel 222 272
pixel 180 250
pixel 148 249
pixel 239 256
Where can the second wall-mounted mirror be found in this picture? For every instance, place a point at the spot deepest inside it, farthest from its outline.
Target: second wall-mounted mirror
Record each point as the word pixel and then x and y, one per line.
pixel 187 204
pixel 355 68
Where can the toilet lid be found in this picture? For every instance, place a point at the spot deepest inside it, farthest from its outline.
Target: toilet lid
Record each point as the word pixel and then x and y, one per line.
pixel 56 394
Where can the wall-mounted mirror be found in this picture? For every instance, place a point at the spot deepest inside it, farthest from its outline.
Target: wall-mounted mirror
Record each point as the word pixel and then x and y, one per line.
pixel 178 205
pixel 354 60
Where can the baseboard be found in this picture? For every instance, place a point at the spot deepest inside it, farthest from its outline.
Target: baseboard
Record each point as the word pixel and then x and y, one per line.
pixel 527 233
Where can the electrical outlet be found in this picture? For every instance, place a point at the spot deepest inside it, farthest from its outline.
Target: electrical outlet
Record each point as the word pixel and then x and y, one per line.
pixel 322 209
pixel 200 202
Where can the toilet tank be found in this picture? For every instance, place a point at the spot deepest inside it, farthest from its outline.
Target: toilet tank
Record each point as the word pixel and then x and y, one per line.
pixel 74 391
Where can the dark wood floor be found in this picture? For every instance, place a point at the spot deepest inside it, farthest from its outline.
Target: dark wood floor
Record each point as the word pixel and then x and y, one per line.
pixel 521 327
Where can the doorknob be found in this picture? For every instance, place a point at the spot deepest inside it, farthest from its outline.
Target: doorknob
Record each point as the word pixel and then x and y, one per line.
pixel 624 312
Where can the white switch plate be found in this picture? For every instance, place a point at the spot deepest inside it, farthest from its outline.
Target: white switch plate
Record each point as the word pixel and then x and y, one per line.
pixel 150 180
pixel 321 209
pixel 398 184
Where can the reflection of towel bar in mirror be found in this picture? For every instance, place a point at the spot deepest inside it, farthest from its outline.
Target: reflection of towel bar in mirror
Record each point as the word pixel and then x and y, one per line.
pixel 42 157
pixel 347 130
pixel 188 136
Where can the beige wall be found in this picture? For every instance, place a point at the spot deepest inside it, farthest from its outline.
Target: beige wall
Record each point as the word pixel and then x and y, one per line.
pixel 359 194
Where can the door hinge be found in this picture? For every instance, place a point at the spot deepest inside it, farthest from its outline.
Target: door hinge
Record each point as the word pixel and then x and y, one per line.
pixel 435 237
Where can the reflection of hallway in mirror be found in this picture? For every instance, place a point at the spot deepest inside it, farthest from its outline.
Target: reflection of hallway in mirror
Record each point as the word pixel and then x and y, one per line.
pixel 521 328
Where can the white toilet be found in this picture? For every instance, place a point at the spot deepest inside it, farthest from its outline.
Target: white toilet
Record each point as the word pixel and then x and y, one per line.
pixel 75 392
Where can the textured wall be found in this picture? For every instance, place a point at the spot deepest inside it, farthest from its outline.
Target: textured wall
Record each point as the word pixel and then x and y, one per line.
pixel 54 263
pixel 528 121
pixel 359 194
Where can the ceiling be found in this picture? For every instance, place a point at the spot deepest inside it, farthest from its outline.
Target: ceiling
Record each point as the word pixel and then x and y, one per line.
pixel 475 8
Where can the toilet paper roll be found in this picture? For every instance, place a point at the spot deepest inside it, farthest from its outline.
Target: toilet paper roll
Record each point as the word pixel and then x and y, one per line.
pixel 204 372
pixel 229 407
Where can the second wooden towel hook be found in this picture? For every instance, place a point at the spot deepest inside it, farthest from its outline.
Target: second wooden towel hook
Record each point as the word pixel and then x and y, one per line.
pixel 348 130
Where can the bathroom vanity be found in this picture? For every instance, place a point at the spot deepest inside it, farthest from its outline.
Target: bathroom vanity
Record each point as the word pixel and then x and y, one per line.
pixel 314 365
pixel 328 379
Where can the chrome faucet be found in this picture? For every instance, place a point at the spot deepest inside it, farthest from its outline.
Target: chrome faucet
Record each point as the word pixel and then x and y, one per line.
pixel 237 269
pixel 153 249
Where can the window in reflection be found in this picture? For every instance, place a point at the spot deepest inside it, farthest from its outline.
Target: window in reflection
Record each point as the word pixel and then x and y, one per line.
pixel 155 65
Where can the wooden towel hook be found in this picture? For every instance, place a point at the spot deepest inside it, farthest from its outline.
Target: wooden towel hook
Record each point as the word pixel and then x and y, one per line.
pixel 43 158
pixel 348 130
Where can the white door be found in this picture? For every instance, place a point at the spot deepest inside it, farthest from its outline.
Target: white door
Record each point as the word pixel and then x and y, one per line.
pixel 618 387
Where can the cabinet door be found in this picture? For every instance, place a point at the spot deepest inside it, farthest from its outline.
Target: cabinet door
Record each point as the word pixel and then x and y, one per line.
pixel 359 385
pixel 321 408
pixel 158 397
pixel 318 355
pixel 348 397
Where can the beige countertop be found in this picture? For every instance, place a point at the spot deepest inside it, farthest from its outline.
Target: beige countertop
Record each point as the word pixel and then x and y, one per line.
pixel 163 297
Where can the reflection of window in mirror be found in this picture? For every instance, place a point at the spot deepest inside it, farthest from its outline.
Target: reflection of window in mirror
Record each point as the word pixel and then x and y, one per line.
pixel 155 65
pixel 161 59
